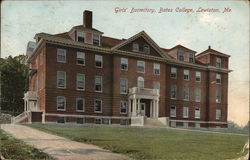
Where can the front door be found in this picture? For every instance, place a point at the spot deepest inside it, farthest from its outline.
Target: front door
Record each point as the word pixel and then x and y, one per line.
pixel 143 109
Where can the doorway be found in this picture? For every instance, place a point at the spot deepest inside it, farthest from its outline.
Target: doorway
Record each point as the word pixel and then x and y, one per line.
pixel 143 109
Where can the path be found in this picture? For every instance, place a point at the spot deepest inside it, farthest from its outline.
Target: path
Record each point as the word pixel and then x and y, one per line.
pixel 59 147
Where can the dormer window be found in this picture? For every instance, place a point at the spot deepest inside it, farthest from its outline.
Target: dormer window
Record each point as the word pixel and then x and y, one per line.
pixel 218 62
pixel 135 47
pixel 146 48
pixel 181 56
pixel 96 40
pixel 191 58
pixel 80 36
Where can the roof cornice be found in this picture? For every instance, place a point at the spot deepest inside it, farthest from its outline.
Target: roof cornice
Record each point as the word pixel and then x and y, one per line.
pixel 214 53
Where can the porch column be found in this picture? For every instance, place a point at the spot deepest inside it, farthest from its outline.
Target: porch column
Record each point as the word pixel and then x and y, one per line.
pixel 153 113
pixel 157 108
pixel 134 107
pixel 129 107
pixel 139 106
pixel 43 117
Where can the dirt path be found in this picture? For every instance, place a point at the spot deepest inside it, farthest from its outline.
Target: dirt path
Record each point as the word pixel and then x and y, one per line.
pixel 59 147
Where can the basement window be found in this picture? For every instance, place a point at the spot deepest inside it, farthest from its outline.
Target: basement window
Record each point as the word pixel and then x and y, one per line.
pixel 61 120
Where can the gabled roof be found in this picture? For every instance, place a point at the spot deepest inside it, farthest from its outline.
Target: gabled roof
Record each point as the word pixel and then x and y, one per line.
pixel 147 38
pixel 81 27
pixel 211 51
pixel 180 46
pixel 110 42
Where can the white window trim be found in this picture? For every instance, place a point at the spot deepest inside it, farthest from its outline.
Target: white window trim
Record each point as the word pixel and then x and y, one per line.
pixel 184 94
pixel 101 61
pixel 64 51
pixel 175 92
pixel 196 117
pixel 83 59
pixel 126 86
pixel 126 107
pixel 101 85
pixel 64 103
pixel 156 68
pixel 197 89
pixel 216 97
pixel 143 66
pixel 135 43
pixel 197 76
pixel 121 64
pixel 187 112
pixel 83 82
pixel 187 74
pixel 94 106
pixel 173 72
pixel 83 107
pixel 170 111
pixel 77 35
pixel 99 39
pixel 146 45
pixel 217 118
pixel 218 78
pixel 65 77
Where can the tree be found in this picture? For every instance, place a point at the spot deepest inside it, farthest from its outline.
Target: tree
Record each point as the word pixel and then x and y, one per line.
pixel 13 79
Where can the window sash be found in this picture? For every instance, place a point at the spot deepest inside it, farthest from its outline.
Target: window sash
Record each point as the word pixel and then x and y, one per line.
pixel 173 111
pixel 98 106
pixel 123 85
pixel 123 107
pixel 185 112
pixel 135 47
pixel 80 81
pixel 173 73
pixel 156 68
pixel 141 66
pixel 124 64
pixel 156 85
pixel 173 92
pixel 218 114
pixel 61 103
pixel 61 79
pixel 185 93
pixel 96 39
pixel 146 49
pixel 197 113
pixel 98 83
pixel 197 76
pixel 140 82
pixel 80 59
pixel 61 55
pixel 98 60
pixel 80 36
pixel 80 104
pixel 218 96
pixel 186 74
pixel 197 94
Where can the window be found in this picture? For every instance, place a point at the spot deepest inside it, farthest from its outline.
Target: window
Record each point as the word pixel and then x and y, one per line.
pixel 98 121
pixel 218 62
pixel 80 59
pixel 41 58
pixel 197 76
pixel 156 85
pixel 185 124
pixel 61 103
pixel 124 122
pixel 124 64
pixel 186 74
pixel 157 68
pixel 135 47
pixel 197 113
pixel 123 85
pixel 197 93
pixel 80 36
pixel 61 120
pixel 181 56
pixel 61 55
pixel 197 125
pixel 61 79
pixel 218 114
pixel 173 73
pixel 173 124
pixel 41 80
pixel 98 106
pixel 80 120
pixel 186 93
pixel 80 81
pixel 141 66
pixel 98 61
pixel 172 111
pixel 123 107
pixel 105 121
pixel 146 48
pixel 80 102
pixel 140 82
pixel 98 83
pixel 185 112
pixel 173 92
pixel 218 96
pixel 218 79
pixel 96 40
pixel 191 58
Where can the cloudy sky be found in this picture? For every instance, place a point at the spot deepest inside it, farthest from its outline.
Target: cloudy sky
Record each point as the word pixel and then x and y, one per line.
pixel 227 32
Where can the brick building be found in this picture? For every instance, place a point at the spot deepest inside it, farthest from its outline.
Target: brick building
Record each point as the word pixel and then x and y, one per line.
pixel 82 76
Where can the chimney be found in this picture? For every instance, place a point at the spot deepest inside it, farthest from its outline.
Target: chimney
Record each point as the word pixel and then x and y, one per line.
pixel 87 19
pixel 209 47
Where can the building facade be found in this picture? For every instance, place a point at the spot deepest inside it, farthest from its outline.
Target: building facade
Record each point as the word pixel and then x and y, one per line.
pixel 82 76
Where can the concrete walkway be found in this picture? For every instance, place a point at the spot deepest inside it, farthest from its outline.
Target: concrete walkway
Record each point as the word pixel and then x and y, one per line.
pixel 59 147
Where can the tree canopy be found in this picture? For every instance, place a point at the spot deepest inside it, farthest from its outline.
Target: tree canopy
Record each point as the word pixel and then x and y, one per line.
pixel 13 80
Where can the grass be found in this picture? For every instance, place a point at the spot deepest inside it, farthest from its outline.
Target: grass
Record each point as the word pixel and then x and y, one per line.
pixel 152 143
pixel 12 148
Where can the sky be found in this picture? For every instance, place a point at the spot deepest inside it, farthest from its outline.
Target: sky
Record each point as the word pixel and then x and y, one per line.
pixel 226 32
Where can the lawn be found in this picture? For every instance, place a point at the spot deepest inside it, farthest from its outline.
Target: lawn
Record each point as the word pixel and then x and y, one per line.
pixel 152 143
pixel 12 148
